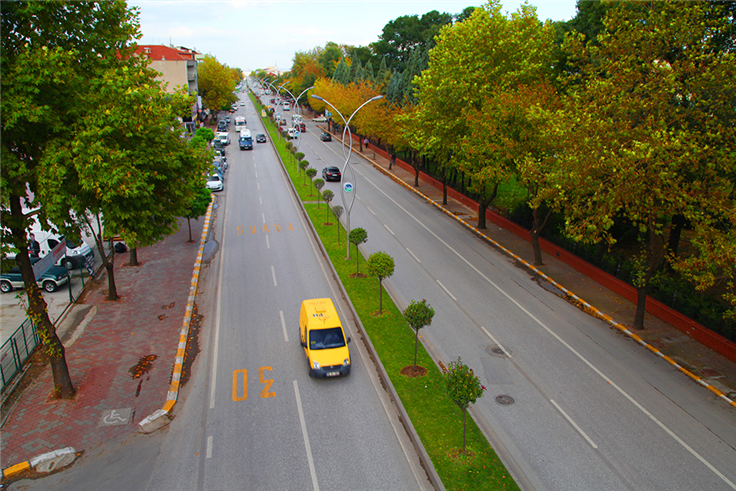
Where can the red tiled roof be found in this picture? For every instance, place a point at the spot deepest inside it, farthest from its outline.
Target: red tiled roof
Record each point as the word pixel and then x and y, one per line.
pixel 161 52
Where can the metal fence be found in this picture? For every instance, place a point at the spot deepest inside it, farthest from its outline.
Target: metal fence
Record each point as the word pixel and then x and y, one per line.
pixel 16 350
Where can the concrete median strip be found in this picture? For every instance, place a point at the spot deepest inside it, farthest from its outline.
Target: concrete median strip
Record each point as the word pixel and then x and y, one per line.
pixel 570 295
pixel 162 416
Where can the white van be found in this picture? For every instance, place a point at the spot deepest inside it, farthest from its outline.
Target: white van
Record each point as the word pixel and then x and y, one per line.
pixel 76 254
pixel 245 133
pixel 293 133
pixel 224 137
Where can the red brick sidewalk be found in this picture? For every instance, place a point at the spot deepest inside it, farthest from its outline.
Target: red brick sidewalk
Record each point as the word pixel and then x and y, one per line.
pixel 106 357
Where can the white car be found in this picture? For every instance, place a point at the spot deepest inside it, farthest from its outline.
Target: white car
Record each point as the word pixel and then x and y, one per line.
pixel 224 137
pixel 242 103
pixel 214 183
pixel 319 119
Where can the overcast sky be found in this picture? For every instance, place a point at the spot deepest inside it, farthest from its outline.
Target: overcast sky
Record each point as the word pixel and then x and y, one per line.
pixel 252 34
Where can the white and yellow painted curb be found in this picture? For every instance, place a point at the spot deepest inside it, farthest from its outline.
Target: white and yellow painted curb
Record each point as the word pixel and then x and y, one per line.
pixel 571 296
pixel 44 463
pixel 162 416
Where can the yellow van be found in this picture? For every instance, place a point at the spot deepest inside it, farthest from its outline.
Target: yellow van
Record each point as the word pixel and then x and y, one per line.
pixel 323 339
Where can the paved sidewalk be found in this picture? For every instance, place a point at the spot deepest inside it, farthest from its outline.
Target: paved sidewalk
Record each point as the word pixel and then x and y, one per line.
pixel 121 361
pixel 712 367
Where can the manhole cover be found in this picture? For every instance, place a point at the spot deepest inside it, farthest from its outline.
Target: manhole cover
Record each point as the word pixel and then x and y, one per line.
pixel 496 350
pixel 504 400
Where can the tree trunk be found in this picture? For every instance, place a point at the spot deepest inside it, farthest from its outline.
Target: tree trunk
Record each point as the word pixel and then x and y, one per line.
pixel 535 233
pixel 416 340
pixel 112 291
pixel 465 412
pixel 641 308
pixel 673 244
pixel 133 257
pixel 653 257
pixel 107 261
pixel 444 187
pixel 38 312
pixel 483 204
pixel 380 297
pixel 189 224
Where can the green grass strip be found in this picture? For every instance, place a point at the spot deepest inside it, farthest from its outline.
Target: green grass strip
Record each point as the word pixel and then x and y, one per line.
pixel 437 420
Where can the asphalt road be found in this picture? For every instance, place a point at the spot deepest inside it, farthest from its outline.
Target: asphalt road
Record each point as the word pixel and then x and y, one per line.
pixel 591 410
pixel 251 417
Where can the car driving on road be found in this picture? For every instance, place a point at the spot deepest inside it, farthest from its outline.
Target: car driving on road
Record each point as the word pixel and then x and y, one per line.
pixel 325 137
pixel 331 174
pixel 261 138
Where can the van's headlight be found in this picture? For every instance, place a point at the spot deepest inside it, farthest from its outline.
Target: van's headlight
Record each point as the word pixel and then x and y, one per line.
pixel 346 362
pixel 315 365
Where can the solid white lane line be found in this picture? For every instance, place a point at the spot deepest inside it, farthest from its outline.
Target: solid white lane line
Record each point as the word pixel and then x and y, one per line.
pixel 412 255
pixel 573 423
pixel 310 459
pixel 209 447
pixel 371 211
pixel 389 230
pixel 283 326
pixel 273 273
pixel 215 349
pixel 581 357
pixel 446 290
pixel 496 342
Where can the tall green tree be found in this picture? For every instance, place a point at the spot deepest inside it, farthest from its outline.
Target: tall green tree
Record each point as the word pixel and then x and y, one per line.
pixel 216 83
pixel 648 131
pixel 52 55
pixel 106 169
pixel 473 63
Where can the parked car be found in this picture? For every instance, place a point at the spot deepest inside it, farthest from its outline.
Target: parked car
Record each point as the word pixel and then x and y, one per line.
pixel 215 183
pixel 222 125
pixel 282 122
pixel 261 138
pixel 331 174
pixel 319 119
pixel 224 137
pixel 325 137
pixel 52 279
pixel 302 127
pixel 242 103
pixel 218 146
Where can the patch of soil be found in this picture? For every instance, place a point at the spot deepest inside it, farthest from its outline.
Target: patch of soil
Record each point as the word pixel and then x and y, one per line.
pixel 357 275
pixel 192 346
pixel 327 224
pixel 413 371
pixel 457 455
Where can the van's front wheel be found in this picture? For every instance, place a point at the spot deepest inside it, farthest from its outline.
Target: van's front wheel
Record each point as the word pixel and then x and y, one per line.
pixel 49 286
pixel 68 264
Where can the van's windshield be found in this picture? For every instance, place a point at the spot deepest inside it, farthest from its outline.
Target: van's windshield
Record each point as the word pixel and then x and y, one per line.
pixel 326 338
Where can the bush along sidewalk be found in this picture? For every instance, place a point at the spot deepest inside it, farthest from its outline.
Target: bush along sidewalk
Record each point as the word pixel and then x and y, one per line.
pixel 461 454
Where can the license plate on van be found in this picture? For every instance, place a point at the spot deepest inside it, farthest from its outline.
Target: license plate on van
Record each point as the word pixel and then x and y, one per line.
pixel 333 374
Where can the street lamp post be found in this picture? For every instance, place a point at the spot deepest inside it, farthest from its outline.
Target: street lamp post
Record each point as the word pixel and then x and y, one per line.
pixel 347 186
pixel 297 110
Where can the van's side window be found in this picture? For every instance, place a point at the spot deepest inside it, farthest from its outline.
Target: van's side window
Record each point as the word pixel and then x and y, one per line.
pixel 52 243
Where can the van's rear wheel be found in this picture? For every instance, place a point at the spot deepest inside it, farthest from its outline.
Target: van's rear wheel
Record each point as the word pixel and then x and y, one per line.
pixel 68 264
pixel 6 287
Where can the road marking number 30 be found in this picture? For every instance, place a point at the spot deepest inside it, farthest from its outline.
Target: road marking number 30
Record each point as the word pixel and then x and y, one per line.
pixel 239 375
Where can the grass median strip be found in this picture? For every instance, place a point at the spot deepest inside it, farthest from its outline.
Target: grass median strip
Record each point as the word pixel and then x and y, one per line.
pixel 437 420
